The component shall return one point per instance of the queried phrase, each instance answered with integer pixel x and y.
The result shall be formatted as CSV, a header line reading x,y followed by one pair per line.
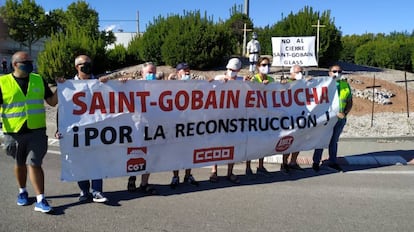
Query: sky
x,y
350,16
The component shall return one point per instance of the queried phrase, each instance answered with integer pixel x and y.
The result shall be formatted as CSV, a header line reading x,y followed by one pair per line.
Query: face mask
x,y
337,75
86,68
185,77
26,67
264,69
298,76
150,76
231,73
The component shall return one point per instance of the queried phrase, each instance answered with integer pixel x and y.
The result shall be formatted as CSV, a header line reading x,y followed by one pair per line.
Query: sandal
x,y
233,179
131,184
213,177
148,189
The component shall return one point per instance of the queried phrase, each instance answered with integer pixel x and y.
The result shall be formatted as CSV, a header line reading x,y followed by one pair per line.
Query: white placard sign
x,y
288,51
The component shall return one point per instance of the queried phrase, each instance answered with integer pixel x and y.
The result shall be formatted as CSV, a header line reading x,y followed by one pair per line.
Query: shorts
x,y
28,148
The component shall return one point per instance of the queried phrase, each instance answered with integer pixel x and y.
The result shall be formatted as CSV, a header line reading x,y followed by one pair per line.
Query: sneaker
x,y
315,167
174,182
23,199
84,196
336,167
190,179
284,168
296,167
99,197
43,206
262,171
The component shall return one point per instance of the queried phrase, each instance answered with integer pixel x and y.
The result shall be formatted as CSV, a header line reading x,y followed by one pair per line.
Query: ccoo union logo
x,y
138,163
211,154
284,143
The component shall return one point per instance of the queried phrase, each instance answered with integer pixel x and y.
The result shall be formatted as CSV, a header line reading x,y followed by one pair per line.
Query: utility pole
x,y
246,12
246,7
138,23
317,39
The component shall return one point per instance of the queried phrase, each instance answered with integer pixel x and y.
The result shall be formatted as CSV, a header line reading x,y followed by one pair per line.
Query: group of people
x,y
22,93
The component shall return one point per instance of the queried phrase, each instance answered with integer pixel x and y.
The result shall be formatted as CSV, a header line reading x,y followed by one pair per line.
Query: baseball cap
x,y
234,64
182,66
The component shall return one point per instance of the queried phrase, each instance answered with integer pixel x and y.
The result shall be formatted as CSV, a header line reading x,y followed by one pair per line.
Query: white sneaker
x,y
99,198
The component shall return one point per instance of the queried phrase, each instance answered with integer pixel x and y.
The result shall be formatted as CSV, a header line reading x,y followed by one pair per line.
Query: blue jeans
x,y
333,143
85,185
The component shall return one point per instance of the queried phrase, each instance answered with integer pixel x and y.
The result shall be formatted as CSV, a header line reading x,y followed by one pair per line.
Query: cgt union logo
x,y
284,143
136,164
211,154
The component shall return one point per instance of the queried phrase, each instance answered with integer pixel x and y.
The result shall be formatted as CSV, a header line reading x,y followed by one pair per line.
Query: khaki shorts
x,y
28,148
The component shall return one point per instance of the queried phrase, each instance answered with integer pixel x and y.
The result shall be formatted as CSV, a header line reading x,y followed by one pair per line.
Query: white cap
x,y
234,64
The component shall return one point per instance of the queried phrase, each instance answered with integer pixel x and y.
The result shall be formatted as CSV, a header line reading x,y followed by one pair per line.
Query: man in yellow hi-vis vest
x,y
345,106
22,95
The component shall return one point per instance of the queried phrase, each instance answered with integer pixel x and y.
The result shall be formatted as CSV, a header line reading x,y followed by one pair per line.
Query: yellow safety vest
x,y
256,78
18,108
344,91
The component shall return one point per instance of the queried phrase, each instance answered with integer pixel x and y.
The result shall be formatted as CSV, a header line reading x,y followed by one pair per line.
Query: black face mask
x,y
86,68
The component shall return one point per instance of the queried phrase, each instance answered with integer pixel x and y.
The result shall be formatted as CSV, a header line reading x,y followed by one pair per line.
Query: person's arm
x,y
52,98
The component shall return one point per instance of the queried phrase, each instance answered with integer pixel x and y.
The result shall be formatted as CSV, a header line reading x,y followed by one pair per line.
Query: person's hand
x,y
266,82
341,115
58,135
103,79
247,78
124,79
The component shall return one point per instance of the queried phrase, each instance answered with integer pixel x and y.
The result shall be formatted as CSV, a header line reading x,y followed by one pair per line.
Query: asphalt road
x,y
364,198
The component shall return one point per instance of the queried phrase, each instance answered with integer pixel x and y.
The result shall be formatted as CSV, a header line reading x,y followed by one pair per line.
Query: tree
x,y
26,21
57,59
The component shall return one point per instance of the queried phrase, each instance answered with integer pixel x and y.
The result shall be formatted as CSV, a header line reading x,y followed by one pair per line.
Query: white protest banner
x,y
120,129
289,51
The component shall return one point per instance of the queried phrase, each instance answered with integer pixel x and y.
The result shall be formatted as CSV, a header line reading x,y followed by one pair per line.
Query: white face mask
x,y
185,77
298,76
231,73
264,69
337,75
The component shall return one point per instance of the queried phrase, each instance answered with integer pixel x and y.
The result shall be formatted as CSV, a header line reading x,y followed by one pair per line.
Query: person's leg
x,y
333,144
317,156
175,179
213,175
36,175
187,172
97,188
175,173
20,171
248,165
261,161
84,186
294,158
144,179
97,185
230,169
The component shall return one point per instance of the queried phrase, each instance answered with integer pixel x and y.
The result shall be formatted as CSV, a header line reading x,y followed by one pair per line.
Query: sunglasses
x,y
336,71
264,65
25,62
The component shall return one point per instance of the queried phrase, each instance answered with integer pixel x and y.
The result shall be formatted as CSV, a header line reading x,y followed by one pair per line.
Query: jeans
x,y
85,185
333,143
